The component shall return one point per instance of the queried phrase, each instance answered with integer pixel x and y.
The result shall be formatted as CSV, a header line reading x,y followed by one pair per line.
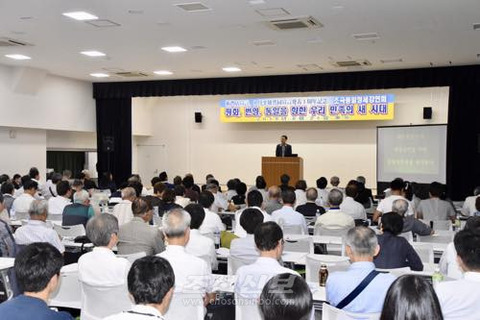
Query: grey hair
x,y
476,191
128,192
335,197
100,229
274,192
361,179
38,207
334,181
176,222
312,194
211,186
362,240
400,206
80,196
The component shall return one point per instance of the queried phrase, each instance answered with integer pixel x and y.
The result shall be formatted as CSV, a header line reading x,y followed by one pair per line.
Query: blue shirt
x,y
28,308
370,300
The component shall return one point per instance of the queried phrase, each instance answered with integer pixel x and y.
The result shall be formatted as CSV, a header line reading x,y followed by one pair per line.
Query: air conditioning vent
x,y
7,42
131,74
352,63
296,23
366,36
193,7
309,67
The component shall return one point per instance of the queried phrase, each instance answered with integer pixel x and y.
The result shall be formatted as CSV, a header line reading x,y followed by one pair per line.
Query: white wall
x,y
227,150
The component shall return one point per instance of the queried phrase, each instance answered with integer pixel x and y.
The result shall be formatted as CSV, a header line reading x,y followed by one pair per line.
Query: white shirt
x,y
460,299
22,203
192,274
138,312
252,278
45,191
469,205
202,246
102,268
220,202
289,217
230,194
38,231
182,201
301,197
211,223
386,204
335,219
57,204
322,198
353,208
244,249
239,231
123,211
448,263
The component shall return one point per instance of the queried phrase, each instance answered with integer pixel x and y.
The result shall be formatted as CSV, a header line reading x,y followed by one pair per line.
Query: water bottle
x,y
437,277
322,275
216,237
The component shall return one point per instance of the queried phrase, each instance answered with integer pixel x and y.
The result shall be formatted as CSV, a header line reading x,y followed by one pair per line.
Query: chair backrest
x,y
292,229
133,256
247,311
334,263
332,313
407,235
440,236
55,217
70,231
424,251
322,231
397,272
442,225
21,215
68,293
299,245
100,302
233,264
185,306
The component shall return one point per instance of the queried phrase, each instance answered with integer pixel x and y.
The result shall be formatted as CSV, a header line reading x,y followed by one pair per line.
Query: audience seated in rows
x,y
22,202
395,251
241,190
36,229
212,222
310,208
287,216
8,247
190,191
435,208
156,198
137,235
37,268
334,218
57,203
21,190
300,192
7,190
231,189
199,245
396,189
469,207
335,182
80,211
286,296
364,195
88,183
252,278
49,188
274,199
322,198
150,283
260,185
123,210
361,247
350,206
410,223
180,198
244,248
168,197
254,200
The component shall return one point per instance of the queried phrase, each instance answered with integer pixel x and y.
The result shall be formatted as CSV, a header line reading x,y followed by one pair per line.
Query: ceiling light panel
x,y
476,26
231,69
193,7
163,72
174,49
99,75
17,56
80,15
93,53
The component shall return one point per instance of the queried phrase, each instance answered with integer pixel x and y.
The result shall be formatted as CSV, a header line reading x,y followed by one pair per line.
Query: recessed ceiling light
x,y
80,15
231,69
93,53
99,75
163,72
17,56
174,49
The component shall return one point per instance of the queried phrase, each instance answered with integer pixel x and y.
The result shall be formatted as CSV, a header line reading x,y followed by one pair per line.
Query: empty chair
x,y
332,313
233,264
68,293
70,231
407,235
299,245
133,256
314,261
180,310
100,302
247,311
424,251
292,229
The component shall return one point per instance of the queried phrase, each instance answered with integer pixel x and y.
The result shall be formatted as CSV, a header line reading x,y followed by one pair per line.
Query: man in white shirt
x,y
334,218
49,188
36,230
192,274
244,249
150,282
468,208
460,299
58,203
396,192
322,198
199,245
22,203
180,198
35,176
287,216
254,200
212,222
123,210
349,205
251,279
220,200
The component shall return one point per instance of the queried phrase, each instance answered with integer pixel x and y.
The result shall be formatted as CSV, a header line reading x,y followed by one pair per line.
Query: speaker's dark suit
x,y
288,150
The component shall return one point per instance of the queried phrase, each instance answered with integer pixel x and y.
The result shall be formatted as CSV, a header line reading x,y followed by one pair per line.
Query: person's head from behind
x,y
335,197
335,181
163,176
274,193
286,296
77,185
396,186
179,190
129,193
137,186
288,197
255,199
154,181
473,223
102,230
81,197
7,188
411,297
260,182
467,244
38,210
176,226
197,215
400,206
301,185
283,139
352,189
64,189
322,183
188,182
212,187
311,194
361,179
241,188
177,180
151,281
159,188
436,190
250,219
143,209
30,187
361,244
66,174
34,173
37,267
392,223
269,239
206,199
231,184
168,196
284,179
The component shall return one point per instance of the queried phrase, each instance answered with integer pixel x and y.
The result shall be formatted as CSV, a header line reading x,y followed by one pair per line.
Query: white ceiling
x,y
420,32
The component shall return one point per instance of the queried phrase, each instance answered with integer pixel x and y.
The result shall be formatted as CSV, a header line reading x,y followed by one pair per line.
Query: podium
x,y
274,167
